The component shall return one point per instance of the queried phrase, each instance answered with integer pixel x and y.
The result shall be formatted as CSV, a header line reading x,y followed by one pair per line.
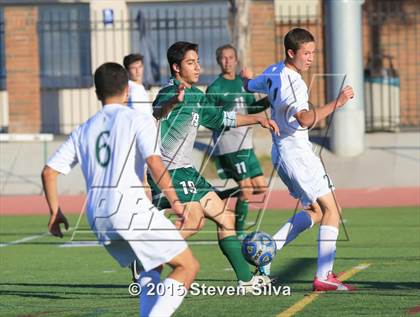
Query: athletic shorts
x,y
303,174
238,165
189,185
152,239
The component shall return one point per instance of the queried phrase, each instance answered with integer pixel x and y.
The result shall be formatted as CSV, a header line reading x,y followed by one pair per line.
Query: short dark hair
x,y
131,58
177,51
295,38
110,80
220,49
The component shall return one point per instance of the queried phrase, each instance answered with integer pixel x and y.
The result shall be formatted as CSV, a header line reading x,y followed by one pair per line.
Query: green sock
x,y
231,248
241,211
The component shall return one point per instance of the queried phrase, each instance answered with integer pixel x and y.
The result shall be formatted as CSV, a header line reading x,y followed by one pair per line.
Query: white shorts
x,y
152,239
303,174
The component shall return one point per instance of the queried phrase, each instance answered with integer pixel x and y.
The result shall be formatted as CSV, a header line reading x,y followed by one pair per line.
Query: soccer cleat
x,y
136,269
336,275
331,284
257,281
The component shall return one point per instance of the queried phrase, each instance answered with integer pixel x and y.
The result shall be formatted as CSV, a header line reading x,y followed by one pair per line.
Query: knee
x,y
191,266
260,190
246,195
315,213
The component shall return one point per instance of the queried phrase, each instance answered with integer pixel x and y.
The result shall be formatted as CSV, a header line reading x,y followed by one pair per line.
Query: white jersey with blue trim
x,y
288,94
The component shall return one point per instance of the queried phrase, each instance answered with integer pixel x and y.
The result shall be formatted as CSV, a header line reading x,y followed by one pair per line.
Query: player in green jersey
x,y
235,157
181,108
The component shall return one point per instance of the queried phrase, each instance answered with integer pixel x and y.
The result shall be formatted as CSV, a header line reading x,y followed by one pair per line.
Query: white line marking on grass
x,y
79,244
26,239
202,242
300,305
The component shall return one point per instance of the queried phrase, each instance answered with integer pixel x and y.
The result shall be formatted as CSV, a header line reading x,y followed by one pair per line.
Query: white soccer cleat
x,y
257,281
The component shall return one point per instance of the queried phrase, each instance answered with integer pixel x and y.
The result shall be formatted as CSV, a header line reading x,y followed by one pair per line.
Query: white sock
x,y
327,239
281,235
290,231
148,282
170,300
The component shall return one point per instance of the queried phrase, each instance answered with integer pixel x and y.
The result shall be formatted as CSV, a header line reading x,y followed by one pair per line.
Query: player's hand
x,y
54,223
246,73
346,94
178,209
269,124
180,93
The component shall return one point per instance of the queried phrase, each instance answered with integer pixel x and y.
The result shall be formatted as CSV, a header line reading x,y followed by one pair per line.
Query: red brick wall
x,y
262,37
22,66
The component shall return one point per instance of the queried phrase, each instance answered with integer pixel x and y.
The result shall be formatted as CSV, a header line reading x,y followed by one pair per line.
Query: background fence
x,y
73,41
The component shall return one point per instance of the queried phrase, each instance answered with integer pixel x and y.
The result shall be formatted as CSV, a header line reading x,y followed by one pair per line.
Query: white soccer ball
x,y
259,248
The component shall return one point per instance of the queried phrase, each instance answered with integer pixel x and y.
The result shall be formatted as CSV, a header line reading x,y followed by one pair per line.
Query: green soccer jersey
x,y
178,130
230,95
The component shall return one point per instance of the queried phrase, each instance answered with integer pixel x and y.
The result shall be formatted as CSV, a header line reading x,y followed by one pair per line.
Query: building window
x,y
64,41
155,26
2,53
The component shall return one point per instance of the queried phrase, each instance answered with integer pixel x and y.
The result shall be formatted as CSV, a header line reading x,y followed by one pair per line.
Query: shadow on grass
x,y
295,268
104,286
64,293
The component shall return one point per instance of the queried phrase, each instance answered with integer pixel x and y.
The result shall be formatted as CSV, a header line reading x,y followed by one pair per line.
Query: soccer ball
x,y
259,248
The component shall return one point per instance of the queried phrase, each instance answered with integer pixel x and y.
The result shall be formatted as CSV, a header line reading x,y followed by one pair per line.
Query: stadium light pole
x,y
344,57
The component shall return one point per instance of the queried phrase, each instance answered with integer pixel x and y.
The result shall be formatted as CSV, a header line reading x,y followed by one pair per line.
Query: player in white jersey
x,y
111,148
138,98
292,155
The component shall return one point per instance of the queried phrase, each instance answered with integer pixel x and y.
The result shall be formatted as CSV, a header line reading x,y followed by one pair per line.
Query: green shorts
x,y
238,165
189,186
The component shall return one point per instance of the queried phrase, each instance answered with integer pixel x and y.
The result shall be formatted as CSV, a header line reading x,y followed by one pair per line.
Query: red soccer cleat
x,y
331,284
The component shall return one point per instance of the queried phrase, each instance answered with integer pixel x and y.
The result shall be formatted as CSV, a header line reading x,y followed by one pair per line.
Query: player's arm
x,y
213,117
63,160
257,84
259,106
163,180
246,76
49,184
243,120
163,108
308,118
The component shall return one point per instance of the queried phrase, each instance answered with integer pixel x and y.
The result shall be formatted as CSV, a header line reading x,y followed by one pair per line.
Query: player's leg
x,y
184,270
299,179
161,243
256,174
148,282
216,210
242,205
296,224
325,279
193,220
259,185
328,233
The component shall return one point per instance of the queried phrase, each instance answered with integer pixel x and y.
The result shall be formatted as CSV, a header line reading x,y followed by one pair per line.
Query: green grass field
x,y
40,278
